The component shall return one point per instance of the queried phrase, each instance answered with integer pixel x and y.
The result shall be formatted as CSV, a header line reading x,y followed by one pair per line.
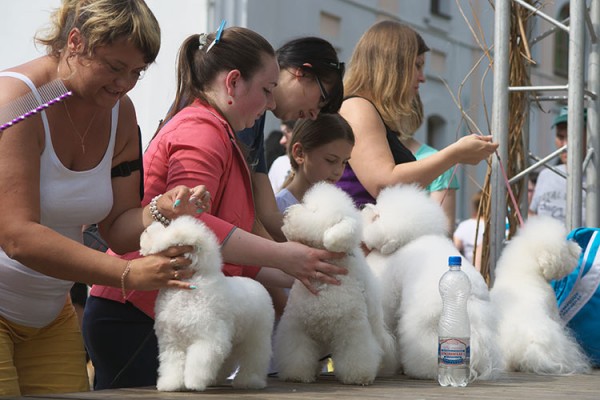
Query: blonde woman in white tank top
x,y
55,176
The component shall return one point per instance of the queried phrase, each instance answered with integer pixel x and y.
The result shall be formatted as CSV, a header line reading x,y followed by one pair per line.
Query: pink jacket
x,y
196,147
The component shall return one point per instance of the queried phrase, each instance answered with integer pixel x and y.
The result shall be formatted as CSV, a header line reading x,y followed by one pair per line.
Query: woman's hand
x,y
310,266
182,200
473,148
168,268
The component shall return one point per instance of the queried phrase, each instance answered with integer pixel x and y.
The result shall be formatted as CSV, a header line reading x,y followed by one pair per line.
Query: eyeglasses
x,y
324,94
121,71
339,66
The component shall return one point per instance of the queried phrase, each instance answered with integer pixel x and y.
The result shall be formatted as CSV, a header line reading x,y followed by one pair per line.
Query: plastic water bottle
x,y
454,330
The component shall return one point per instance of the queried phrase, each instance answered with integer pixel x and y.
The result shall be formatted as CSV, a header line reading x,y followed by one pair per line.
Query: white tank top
x,y
68,200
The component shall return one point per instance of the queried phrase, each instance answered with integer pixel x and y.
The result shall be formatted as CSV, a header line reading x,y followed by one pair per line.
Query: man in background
x,y
550,193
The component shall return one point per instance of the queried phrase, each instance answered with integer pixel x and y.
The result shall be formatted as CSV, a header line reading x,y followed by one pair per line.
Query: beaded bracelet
x,y
123,276
156,215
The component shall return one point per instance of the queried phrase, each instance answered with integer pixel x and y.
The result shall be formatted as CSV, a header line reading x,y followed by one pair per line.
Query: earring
x,y
230,101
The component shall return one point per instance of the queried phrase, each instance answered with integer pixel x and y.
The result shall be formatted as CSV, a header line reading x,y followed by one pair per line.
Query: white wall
x,y
20,21
154,93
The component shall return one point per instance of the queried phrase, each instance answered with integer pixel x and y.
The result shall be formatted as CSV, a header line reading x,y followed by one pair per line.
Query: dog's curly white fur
x,y
406,232
204,334
532,335
344,320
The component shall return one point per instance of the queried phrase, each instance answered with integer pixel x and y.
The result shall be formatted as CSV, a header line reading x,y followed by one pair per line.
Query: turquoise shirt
x,y
442,182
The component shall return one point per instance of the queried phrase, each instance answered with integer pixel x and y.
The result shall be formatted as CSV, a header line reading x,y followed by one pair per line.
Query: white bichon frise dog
x,y
406,231
346,320
532,335
204,334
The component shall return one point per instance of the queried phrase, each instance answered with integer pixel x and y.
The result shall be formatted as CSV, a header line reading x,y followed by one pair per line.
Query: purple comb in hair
x,y
25,106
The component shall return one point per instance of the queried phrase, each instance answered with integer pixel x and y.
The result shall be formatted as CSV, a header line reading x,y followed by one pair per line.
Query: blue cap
x,y
454,260
563,116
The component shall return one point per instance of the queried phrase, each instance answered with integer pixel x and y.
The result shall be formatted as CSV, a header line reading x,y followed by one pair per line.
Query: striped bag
x,y
578,294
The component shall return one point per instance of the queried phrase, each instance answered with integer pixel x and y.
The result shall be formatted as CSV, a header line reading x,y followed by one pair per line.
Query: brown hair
x,y
322,57
239,48
102,22
312,134
382,67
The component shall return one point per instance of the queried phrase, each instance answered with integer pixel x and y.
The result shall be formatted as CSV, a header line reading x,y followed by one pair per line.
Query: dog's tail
x,y
389,362
486,356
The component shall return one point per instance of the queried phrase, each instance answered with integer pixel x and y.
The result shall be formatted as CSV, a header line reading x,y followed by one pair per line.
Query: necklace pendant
x,y
83,148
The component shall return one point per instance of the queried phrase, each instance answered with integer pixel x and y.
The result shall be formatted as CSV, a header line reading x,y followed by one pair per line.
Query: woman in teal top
x,y
443,188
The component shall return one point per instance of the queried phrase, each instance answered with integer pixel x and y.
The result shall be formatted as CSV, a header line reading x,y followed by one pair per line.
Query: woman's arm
x,y
302,262
124,224
266,206
372,160
127,220
26,240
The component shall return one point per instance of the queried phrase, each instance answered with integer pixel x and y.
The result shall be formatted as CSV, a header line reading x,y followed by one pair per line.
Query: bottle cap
x,y
454,260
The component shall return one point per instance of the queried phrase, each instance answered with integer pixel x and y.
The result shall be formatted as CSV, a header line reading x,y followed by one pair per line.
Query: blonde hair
x,y
408,125
382,68
102,22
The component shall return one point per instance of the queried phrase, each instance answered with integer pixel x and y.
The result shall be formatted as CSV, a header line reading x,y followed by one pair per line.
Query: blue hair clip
x,y
217,35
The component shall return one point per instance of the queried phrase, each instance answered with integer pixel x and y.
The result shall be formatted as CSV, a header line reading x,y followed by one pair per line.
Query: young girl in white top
x,y
319,151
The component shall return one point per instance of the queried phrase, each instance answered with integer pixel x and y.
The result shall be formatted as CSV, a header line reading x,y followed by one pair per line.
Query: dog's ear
x,y
557,263
291,215
574,251
389,247
369,214
373,234
144,243
343,236
148,237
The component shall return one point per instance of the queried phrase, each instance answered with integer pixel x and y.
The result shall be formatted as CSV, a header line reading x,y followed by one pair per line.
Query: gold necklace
x,y
81,137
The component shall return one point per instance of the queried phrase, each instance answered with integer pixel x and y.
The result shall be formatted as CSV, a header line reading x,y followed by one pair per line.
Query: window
x,y
441,8
436,132
561,46
330,25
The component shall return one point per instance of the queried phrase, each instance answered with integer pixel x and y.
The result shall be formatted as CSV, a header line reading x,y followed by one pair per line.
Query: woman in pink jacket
x,y
225,82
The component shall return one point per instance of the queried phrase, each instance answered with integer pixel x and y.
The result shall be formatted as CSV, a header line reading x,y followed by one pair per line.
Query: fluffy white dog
x,y
344,320
406,231
532,334
204,334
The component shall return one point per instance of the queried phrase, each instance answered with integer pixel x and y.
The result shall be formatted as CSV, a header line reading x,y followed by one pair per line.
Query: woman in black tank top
x,y
380,93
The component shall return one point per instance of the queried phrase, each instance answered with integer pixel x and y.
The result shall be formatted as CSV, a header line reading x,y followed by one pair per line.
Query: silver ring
x,y
176,275
173,261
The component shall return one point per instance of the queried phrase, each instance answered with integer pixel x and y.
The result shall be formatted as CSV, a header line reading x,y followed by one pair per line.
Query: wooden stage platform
x,y
508,386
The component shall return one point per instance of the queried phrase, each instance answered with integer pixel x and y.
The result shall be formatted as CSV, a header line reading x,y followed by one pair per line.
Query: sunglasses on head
x,y
340,67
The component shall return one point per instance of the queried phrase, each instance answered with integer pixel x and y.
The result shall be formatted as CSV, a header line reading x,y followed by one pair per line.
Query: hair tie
x,y
202,40
217,35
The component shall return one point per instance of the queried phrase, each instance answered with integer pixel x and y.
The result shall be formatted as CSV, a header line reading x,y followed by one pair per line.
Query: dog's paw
x,y
197,387
357,380
253,381
170,384
301,378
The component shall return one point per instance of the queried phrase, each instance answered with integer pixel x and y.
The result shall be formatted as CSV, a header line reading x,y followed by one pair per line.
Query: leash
x,y
506,183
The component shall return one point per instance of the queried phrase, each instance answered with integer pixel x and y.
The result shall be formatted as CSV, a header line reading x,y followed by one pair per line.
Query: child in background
x,y
319,151
467,230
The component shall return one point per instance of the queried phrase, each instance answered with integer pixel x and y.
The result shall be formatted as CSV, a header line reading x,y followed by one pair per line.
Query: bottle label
x,y
454,352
